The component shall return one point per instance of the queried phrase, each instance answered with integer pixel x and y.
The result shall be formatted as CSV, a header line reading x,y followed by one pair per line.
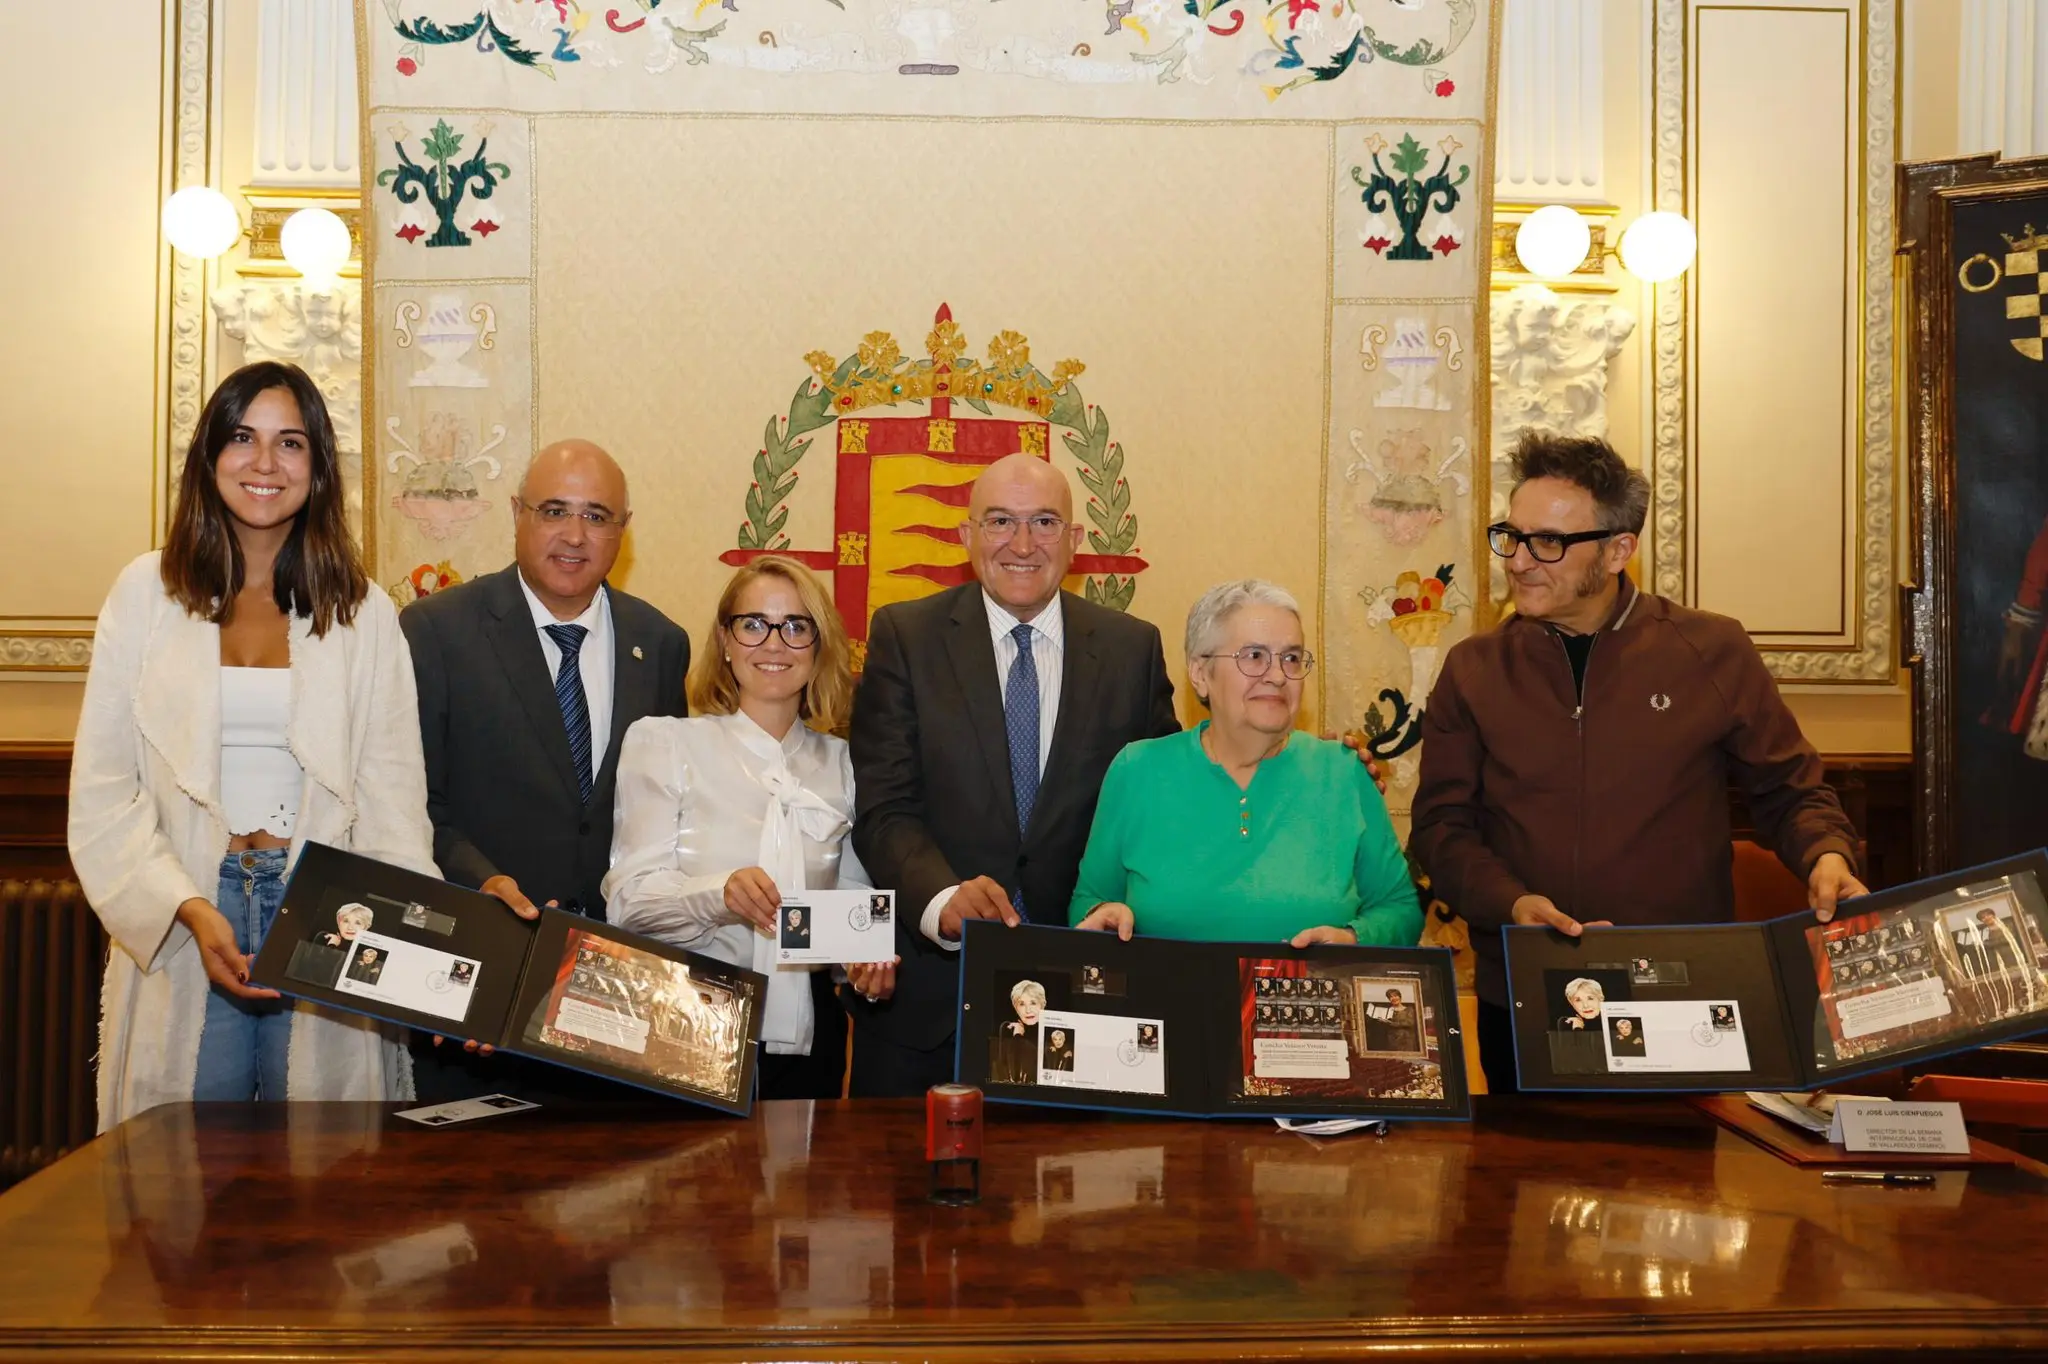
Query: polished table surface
x,y
1548,1229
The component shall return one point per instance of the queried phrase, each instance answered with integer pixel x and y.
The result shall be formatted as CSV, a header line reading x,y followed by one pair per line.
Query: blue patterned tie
x,y
1020,719
569,696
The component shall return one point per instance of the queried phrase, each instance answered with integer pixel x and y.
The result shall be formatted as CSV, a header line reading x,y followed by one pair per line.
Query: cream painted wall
x,y
94,292
1930,123
1741,479
78,413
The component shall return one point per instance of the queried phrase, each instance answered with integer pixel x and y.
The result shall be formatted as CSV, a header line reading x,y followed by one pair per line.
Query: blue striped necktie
x,y
569,696
1020,718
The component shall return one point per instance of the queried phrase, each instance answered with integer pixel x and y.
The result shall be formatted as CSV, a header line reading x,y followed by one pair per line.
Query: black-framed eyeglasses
x,y
1001,526
558,514
1545,547
751,629
1256,660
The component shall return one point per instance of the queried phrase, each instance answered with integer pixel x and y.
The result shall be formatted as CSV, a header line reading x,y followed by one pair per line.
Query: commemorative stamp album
x,y
1057,1016
378,940
1904,975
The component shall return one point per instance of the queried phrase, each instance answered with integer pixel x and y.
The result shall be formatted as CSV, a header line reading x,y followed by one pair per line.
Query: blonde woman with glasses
x,y
721,814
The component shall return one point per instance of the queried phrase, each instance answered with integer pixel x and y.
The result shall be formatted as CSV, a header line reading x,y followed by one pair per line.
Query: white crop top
x,y
260,780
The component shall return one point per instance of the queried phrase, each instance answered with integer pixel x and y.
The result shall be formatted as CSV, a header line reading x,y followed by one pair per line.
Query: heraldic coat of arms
x,y
903,477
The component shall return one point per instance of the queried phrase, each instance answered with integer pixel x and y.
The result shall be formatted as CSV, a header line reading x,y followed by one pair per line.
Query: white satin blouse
x,y
698,799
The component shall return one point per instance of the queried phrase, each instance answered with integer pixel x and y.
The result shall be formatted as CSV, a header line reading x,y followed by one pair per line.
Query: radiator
x,y
52,955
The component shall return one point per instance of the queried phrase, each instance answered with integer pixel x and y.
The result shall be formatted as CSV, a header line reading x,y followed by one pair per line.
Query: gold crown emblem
x,y
2030,240
878,374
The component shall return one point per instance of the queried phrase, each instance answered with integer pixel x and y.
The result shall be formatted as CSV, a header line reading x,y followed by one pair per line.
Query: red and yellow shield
x,y
902,481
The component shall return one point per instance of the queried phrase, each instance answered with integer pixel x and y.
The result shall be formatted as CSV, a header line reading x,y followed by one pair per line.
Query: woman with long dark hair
x,y
249,691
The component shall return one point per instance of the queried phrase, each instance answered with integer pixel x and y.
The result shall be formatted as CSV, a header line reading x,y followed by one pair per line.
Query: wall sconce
x,y
201,222
1556,242
1553,241
1658,247
315,243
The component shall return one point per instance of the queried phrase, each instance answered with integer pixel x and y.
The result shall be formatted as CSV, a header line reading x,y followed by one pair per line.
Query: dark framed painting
x,y
1974,237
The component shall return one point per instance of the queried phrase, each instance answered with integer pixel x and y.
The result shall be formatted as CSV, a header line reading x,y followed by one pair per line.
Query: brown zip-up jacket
x,y
1614,804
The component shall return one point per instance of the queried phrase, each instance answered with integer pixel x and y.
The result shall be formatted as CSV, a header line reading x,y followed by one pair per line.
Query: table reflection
x,y
406,1261
1087,1183
309,1218
1369,1199
344,1236
1576,1240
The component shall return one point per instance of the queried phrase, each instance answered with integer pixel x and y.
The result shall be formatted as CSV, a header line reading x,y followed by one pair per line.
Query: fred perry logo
x,y
1659,701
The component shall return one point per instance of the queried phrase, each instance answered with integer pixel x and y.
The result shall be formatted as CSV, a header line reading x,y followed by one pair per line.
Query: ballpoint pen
x,y
1895,1177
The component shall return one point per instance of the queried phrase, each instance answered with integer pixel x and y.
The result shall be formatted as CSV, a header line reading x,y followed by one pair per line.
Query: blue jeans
x,y
243,1044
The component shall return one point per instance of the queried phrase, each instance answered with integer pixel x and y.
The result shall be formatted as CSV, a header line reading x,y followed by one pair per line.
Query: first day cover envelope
x,y
836,927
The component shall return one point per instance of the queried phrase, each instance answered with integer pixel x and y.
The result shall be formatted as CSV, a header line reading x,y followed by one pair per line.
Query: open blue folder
x,y
1204,1029
1903,976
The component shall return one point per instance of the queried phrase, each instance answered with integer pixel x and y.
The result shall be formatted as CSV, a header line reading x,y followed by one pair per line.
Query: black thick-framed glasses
x,y
1545,546
751,629
1256,660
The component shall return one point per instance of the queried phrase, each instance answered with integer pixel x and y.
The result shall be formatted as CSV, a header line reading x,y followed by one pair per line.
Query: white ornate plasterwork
x,y
1549,360
320,331
192,139
54,651
1667,337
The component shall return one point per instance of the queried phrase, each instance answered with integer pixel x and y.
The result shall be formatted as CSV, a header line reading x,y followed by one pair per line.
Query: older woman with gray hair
x,y
1243,827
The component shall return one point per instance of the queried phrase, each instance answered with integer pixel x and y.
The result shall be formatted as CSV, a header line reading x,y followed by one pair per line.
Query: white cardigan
x,y
147,831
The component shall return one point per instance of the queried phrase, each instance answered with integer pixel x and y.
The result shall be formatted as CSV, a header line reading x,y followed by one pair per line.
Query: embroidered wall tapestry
x,y
805,265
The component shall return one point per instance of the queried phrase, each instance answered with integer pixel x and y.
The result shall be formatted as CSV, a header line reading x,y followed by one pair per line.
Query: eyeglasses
x,y
752,630
1001,526
1256,660
558,514
1545,547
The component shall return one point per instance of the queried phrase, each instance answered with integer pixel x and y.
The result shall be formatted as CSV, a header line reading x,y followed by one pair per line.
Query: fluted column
x,y
1550,140
306,130
2004,63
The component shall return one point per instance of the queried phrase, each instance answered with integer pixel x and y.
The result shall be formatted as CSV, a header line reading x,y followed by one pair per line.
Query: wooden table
x,y
1551,1229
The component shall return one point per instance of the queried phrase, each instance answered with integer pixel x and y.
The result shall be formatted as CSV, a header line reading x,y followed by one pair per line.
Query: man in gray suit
x,y
528,679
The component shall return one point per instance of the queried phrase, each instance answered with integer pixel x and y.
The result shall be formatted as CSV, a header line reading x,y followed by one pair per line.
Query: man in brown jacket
x,y
1576,760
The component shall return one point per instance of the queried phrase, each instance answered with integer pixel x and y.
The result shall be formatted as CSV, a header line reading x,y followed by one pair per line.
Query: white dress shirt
x,y
1049,654
701,798
593,660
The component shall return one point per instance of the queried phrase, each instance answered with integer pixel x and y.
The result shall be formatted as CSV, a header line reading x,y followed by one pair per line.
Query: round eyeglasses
x,y
1256,660
750,629
1545,547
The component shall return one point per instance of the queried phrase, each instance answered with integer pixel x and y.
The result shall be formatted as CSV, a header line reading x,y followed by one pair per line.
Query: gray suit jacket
x,y
501,786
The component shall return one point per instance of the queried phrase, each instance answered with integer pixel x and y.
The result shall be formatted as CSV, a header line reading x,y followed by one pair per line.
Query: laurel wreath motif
x,y
1113,527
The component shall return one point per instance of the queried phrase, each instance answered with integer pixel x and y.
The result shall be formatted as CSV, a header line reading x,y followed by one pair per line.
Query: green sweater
x,y
1308,843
